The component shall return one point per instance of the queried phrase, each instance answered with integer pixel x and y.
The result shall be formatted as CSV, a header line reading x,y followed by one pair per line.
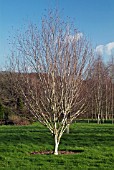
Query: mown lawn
x,y
96,143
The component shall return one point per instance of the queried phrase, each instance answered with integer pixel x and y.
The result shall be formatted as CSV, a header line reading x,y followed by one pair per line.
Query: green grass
x,y
95,141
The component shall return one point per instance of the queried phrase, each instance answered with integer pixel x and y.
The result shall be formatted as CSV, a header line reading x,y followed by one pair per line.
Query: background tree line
x,y
99,88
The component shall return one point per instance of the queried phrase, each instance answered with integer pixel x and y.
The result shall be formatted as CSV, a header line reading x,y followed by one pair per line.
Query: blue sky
x,y
94,18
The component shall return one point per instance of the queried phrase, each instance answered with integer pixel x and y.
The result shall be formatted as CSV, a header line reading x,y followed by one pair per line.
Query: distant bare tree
x,y
111,73
50,66
101,86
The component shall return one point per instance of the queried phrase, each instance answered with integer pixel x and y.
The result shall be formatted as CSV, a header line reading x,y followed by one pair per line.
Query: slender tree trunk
x,y
67,130
112,102
98,119
106,116
56,145
92,110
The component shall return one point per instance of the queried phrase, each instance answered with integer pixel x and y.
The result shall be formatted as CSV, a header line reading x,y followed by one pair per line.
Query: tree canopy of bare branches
x,y
51,64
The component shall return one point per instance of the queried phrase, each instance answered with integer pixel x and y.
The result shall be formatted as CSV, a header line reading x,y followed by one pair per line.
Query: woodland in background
x,y
100,100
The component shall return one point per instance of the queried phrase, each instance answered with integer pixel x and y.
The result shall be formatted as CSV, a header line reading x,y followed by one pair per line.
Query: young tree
x,y
100,84
111,73
99,88
50,65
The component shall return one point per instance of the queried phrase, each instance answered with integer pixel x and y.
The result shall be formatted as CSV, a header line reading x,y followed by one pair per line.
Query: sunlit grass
x,y
95,141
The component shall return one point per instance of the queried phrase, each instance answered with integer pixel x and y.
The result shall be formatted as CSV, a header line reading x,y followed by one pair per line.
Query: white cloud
x,y
76,37
99,49
107,49
70,38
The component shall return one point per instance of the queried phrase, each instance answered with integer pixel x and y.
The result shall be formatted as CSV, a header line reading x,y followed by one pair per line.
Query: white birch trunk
x,y
112,103
98,119
56,145
106,116
67,130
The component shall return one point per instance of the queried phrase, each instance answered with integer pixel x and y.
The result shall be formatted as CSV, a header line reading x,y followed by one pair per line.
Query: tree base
x,y
59,152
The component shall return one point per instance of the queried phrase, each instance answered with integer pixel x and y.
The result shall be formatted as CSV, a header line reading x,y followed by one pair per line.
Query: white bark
x,y
98,119
56,145
67,130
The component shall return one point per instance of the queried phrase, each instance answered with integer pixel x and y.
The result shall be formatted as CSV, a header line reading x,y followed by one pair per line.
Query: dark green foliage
x,y
95,141
20,104
1,111
5,113
8,117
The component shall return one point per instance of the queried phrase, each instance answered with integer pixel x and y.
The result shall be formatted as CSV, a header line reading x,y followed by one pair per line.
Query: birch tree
x,y
50,65
111,74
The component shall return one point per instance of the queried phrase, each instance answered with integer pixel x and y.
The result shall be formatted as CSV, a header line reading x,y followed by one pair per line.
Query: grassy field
x,y
95,141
